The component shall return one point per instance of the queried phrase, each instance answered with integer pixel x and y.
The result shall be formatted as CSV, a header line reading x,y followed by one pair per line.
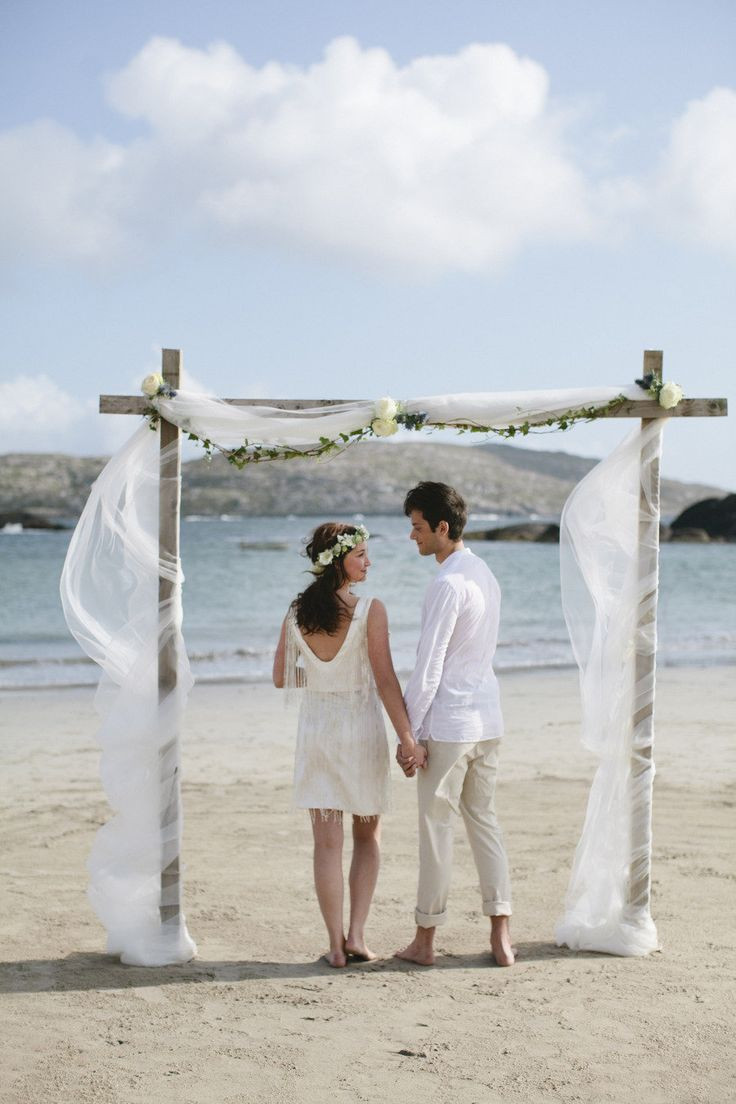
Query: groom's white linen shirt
x,y
453,693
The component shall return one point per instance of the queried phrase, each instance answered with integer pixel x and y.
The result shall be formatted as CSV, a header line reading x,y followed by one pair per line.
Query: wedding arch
x,y
121,593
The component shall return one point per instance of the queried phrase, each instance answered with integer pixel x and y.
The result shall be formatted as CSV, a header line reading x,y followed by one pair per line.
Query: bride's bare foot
x,y
336,959
501,949
357,948
421,948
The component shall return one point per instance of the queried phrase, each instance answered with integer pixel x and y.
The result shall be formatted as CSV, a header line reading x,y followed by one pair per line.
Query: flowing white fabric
x,y
608,561
110,596
109,591
229,426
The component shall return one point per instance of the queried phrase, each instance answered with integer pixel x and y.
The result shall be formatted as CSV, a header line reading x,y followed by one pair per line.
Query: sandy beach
x,y
258,1018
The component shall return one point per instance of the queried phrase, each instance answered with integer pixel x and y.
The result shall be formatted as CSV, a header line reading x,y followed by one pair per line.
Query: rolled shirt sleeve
x,y
439,617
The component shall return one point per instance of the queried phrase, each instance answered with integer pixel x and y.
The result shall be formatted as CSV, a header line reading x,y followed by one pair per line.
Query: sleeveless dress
x,y
342,759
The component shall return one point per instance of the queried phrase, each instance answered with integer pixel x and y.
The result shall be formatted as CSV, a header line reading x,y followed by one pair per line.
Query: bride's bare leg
x,y
328,880
363,877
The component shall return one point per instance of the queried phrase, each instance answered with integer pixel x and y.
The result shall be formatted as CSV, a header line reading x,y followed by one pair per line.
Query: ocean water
x,y
237,591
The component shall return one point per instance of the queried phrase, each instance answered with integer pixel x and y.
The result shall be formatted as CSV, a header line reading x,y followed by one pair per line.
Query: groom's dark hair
x,y
437,502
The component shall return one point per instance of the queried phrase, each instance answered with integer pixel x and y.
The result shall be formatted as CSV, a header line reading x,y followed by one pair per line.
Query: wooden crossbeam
x,y
687,408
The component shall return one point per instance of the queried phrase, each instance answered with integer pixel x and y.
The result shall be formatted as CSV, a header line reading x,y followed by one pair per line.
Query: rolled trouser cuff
x,y
497,908
430,919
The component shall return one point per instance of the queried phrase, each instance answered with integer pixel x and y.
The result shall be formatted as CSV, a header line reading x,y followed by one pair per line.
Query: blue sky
x,y
341,199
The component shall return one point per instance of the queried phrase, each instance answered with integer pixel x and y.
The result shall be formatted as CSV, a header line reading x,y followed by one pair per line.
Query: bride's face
x,y
356,563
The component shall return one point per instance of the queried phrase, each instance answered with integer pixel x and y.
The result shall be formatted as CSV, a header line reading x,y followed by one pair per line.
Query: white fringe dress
x,y
342,758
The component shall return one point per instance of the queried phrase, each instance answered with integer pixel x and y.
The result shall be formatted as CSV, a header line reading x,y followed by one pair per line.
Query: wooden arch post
x,y
642,749
169,507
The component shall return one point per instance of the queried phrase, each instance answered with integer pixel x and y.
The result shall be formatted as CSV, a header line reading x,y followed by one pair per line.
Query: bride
x,y
335,645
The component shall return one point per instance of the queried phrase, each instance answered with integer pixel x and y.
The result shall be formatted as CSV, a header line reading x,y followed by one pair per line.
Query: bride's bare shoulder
x,y
377,611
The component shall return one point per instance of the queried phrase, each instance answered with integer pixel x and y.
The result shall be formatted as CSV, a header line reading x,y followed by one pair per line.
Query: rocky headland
x,y
370,478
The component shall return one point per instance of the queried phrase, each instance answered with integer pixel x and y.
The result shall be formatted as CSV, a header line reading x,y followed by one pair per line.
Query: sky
x,y
352,200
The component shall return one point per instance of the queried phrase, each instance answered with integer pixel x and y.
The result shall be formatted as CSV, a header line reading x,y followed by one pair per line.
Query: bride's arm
x,y
387,684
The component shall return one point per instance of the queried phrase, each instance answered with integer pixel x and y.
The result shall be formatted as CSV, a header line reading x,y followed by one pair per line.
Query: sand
x,y
258,1018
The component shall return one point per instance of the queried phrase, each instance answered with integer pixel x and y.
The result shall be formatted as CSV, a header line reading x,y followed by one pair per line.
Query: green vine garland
x,y
251,452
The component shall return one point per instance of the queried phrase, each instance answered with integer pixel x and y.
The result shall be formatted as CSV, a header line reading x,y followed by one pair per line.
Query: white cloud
x,y
59,196
30,404
36,415
449,163
695,190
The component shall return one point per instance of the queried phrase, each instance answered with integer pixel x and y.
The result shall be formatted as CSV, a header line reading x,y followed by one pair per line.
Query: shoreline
x,y
518,671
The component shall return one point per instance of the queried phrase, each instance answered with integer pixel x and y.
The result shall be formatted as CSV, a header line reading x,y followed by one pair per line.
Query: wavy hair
x,y
319,608
437,502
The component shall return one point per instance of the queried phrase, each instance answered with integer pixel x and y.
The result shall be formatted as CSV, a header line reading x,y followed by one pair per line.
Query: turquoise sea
x,y
237,591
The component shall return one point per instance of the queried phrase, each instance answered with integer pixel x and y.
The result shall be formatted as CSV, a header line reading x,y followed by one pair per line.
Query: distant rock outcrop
x,y
714,517
28,521
540,532
47,484
694,536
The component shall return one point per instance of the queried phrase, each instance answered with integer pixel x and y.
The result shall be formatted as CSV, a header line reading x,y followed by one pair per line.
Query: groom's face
x,y
428,541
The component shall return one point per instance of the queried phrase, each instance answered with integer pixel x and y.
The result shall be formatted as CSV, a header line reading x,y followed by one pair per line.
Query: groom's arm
x,y
438,625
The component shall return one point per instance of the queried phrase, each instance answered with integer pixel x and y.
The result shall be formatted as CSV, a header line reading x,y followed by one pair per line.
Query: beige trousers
x,y
459,778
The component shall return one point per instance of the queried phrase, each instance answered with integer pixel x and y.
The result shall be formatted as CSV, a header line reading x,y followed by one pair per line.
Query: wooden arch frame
x,y
639,886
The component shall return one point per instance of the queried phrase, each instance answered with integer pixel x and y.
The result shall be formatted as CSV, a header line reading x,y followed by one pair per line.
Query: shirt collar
x,y
452,559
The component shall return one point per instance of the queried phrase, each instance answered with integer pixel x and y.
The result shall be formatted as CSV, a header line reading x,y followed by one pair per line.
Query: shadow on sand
x,y
79,972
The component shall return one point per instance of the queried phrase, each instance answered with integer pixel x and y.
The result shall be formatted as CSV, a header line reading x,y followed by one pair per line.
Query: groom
x,y
453,704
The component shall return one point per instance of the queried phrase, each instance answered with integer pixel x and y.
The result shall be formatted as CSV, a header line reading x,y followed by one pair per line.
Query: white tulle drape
x,y
110,596
609,565
109,592
228,425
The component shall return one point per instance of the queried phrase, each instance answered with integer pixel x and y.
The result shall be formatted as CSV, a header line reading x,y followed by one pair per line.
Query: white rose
x,y
382,427
325,558
670,395
152,384
386,409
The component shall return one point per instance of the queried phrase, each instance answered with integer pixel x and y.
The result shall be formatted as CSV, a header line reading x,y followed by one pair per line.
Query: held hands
x,y
411,759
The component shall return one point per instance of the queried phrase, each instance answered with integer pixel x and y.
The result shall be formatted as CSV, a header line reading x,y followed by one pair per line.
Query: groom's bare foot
x,y
421,948
501,949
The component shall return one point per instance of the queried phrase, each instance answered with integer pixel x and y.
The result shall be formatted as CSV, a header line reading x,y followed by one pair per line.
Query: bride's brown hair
x,y
319,608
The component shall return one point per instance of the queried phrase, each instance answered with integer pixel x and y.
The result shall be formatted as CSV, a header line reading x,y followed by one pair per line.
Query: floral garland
x,y
668,394
344,544
389,415
155,384
152,386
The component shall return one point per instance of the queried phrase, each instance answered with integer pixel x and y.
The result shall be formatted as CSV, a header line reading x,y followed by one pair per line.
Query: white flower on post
x,y
670,394
386,409
383,427
152,384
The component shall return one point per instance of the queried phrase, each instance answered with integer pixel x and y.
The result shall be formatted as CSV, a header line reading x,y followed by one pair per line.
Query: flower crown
x,y
344,544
